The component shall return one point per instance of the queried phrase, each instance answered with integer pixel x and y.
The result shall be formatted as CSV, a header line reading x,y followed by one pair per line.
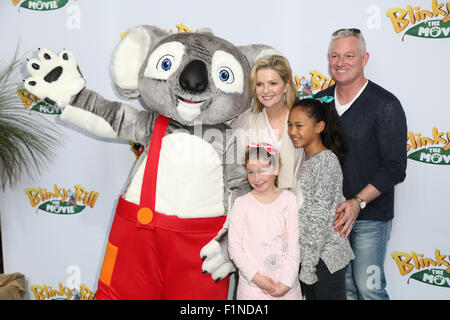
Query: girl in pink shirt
x,y
263,235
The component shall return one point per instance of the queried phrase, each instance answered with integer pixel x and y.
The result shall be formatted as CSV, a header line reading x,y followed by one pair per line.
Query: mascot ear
x,y
129,57
255,51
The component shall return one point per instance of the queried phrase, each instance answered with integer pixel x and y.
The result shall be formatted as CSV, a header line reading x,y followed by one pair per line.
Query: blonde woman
x,y
273,94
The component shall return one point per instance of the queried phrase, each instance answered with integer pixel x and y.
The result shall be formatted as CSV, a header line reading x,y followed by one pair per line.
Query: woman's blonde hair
x,y
281,65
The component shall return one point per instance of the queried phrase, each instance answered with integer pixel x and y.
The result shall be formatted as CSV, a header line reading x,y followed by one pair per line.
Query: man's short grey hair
x,y
344,33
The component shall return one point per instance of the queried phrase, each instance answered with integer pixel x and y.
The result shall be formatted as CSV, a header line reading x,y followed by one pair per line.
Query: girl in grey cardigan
x,y
324,255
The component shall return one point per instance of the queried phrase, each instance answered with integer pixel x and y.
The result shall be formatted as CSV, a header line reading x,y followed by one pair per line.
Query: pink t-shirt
x,y
264,238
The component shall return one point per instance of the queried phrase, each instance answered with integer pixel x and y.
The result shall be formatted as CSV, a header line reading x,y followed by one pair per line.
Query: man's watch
x,y
362,203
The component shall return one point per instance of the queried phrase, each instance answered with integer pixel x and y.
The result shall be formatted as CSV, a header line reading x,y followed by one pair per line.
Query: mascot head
x,y
188,77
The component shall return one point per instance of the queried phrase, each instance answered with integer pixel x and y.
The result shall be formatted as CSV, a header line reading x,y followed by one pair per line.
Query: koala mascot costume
x,y
172,212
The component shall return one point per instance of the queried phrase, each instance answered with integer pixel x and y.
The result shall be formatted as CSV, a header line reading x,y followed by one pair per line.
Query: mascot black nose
x,y
194,77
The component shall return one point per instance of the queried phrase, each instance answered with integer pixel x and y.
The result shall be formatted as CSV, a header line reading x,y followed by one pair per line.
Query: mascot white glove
x,y
216,258
54,79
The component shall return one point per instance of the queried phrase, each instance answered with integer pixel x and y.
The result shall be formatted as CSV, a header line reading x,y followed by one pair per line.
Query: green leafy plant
x,y
27,139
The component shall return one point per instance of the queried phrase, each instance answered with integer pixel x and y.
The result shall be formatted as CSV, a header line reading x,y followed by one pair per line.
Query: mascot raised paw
x,y
172,212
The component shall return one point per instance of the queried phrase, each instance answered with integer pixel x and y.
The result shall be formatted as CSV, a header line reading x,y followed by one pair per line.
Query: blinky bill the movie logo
x,y
62,293
407,262
430,150
316,82
41,5
430,29
32,102
70,201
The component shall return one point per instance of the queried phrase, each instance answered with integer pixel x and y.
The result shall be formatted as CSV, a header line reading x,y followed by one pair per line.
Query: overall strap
x,y
148,191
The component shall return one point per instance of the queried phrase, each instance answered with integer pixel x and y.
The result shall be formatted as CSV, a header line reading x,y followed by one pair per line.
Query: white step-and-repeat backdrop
x,y
60,248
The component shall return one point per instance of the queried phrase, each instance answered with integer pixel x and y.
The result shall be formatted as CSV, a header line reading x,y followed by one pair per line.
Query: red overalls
x,y
151,255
